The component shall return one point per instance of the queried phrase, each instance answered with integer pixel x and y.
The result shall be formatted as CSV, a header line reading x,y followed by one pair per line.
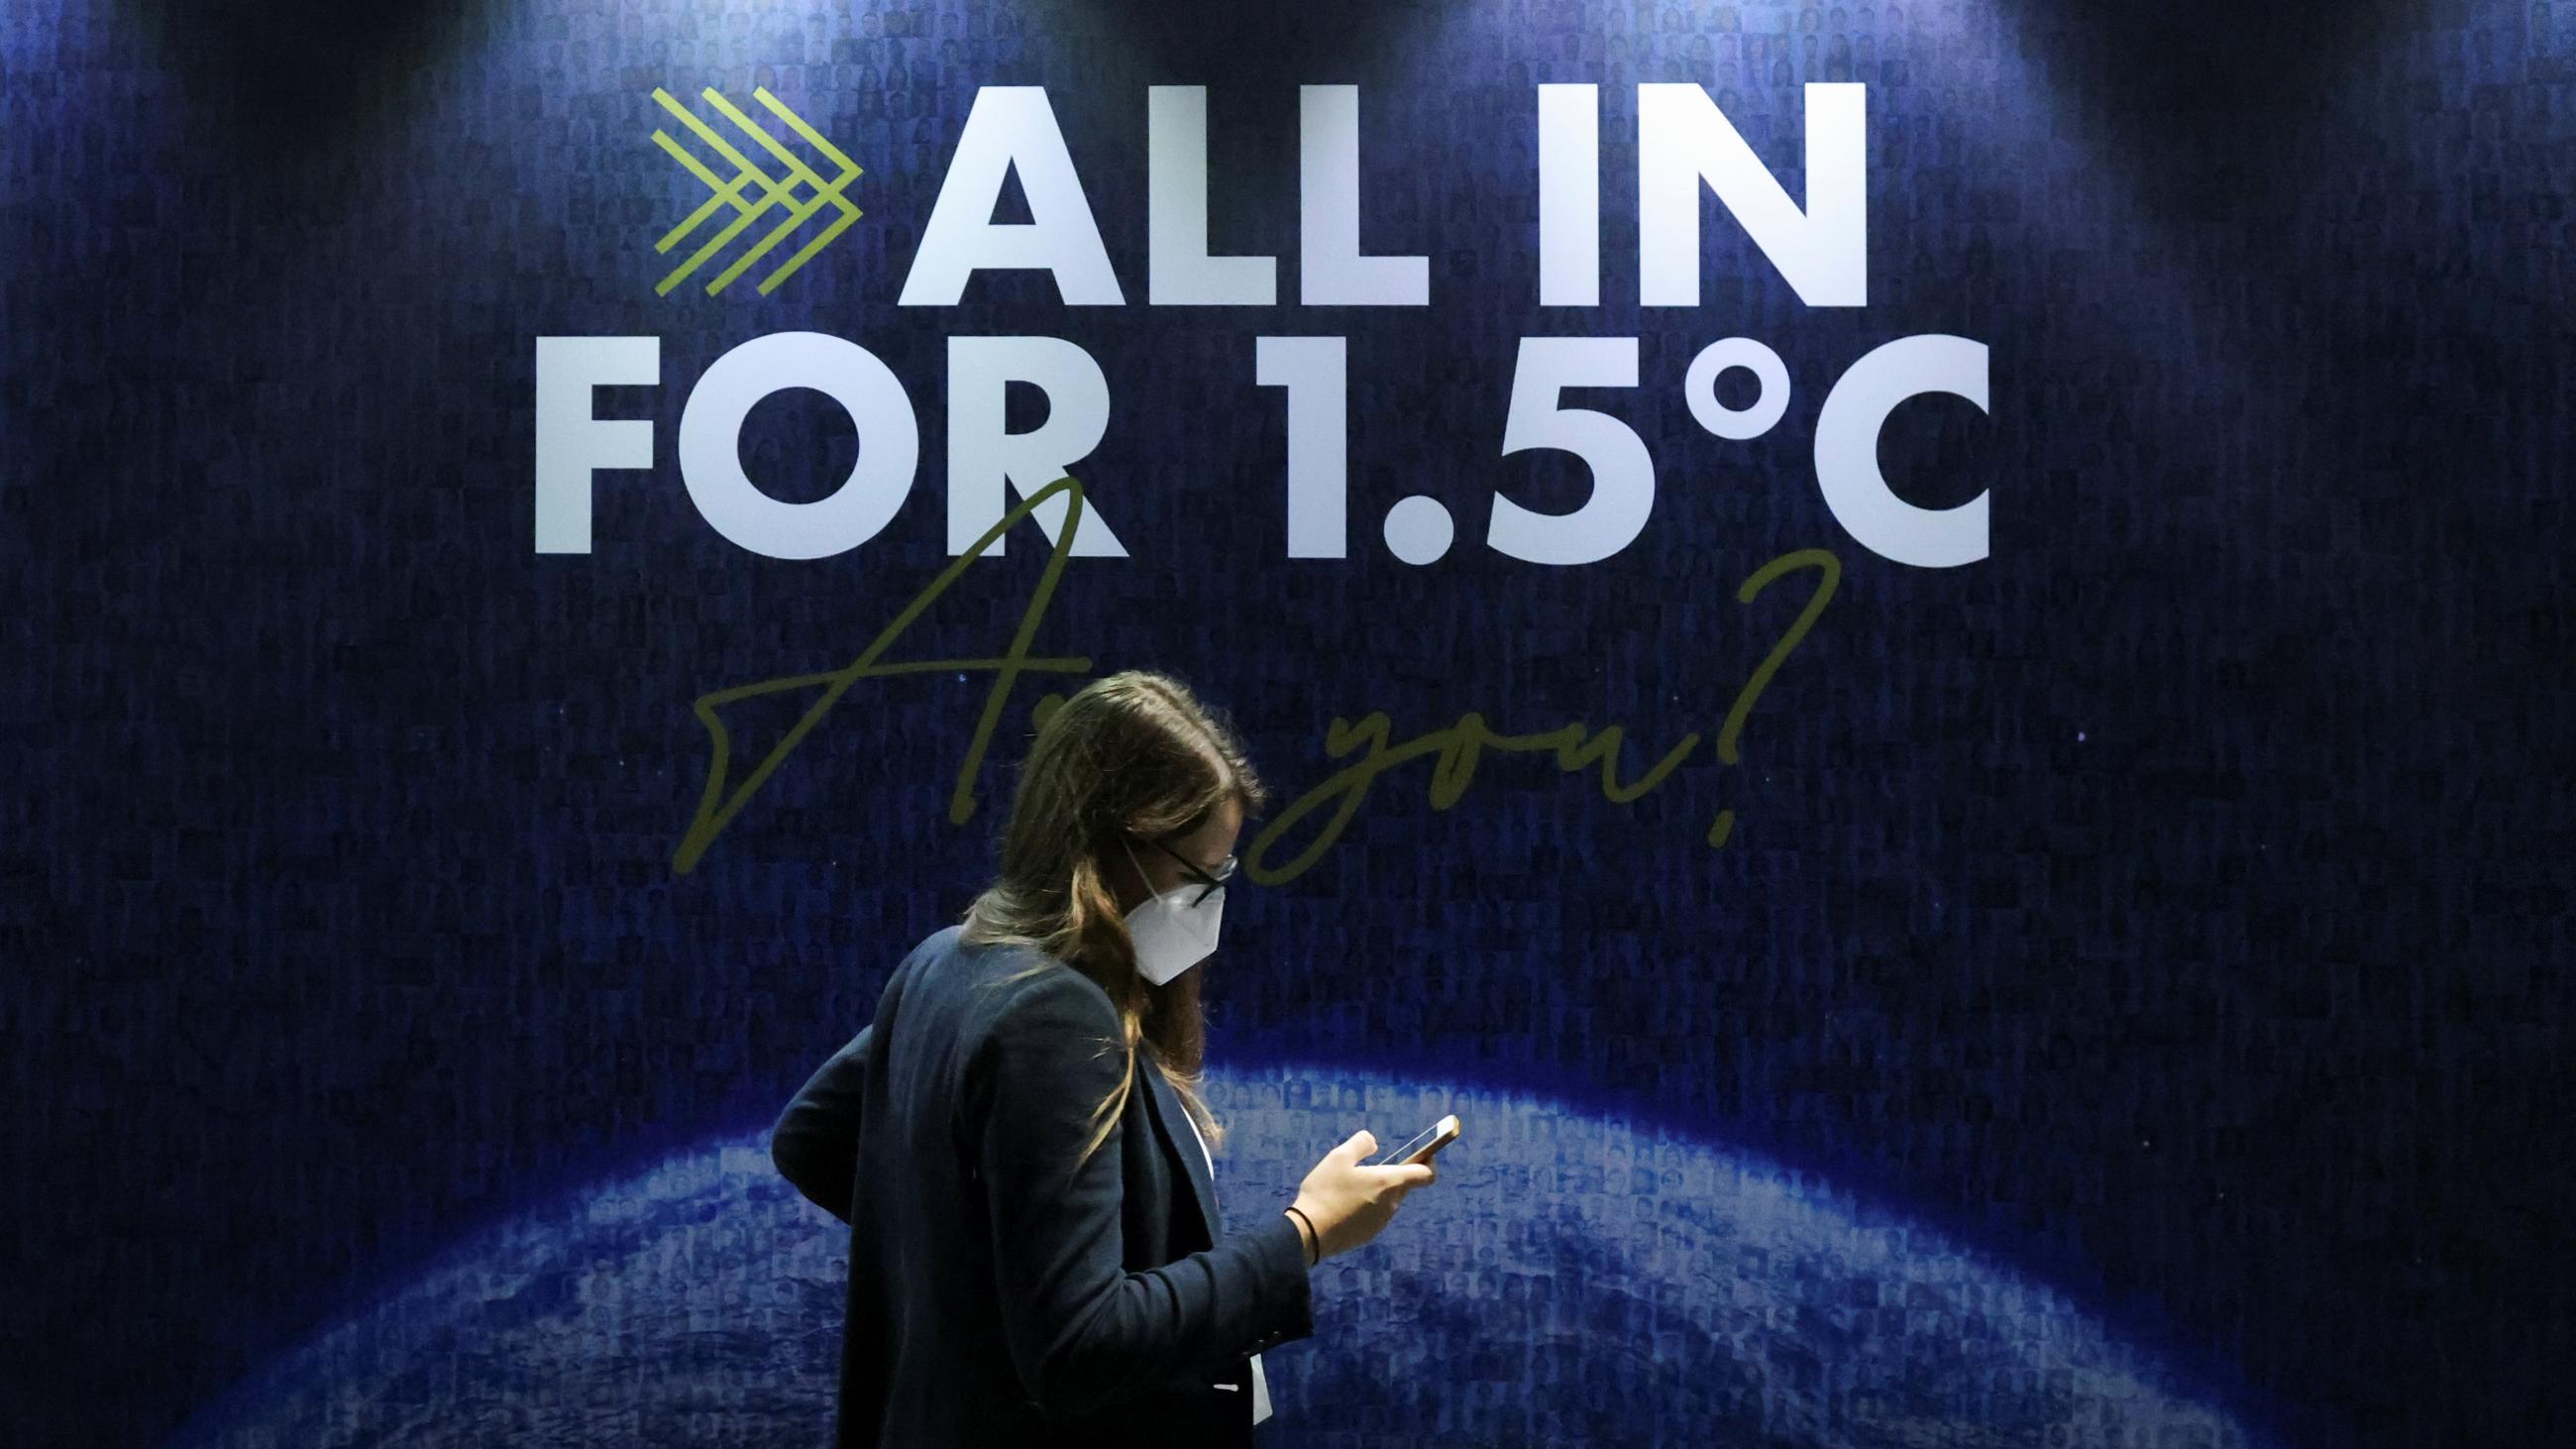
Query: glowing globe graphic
x,y
1569,1281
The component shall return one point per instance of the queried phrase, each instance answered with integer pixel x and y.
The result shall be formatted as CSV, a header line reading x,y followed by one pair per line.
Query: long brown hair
x,y
1132,755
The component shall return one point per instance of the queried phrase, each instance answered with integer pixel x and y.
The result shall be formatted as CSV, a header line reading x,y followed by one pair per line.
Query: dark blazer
x,y
1001,1295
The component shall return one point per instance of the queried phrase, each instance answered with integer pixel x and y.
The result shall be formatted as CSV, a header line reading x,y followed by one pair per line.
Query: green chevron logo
x,y
797,194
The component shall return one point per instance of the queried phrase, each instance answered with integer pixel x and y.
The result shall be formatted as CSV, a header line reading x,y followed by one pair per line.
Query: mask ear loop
x,y
1136,865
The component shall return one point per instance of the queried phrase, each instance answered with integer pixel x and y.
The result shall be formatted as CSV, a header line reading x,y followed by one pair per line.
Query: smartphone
x,y
1430,1140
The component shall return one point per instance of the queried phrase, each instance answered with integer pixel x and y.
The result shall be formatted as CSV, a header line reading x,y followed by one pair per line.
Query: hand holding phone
x,y
1346,1201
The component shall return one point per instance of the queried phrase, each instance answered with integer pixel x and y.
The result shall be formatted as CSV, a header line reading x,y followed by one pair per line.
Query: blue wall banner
x,y
1918,654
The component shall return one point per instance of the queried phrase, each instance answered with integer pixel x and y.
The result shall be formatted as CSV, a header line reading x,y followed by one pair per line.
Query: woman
x,y
1018,1140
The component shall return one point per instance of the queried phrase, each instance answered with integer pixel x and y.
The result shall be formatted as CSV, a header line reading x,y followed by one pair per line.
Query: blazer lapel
x,y
1170,1120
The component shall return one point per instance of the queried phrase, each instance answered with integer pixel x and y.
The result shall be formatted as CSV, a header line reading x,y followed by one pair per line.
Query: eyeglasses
x,y
1210,881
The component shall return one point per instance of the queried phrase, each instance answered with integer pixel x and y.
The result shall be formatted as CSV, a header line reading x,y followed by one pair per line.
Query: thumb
x,y
1360,1144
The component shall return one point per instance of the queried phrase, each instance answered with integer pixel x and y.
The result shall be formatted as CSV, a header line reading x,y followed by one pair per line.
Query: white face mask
x,y
1171,935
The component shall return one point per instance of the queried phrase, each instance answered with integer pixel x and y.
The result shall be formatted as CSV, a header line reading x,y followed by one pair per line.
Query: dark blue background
x,y
2174,904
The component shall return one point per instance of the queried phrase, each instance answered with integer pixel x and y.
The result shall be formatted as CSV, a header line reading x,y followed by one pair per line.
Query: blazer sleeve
x,y
1083,1332
816,1141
